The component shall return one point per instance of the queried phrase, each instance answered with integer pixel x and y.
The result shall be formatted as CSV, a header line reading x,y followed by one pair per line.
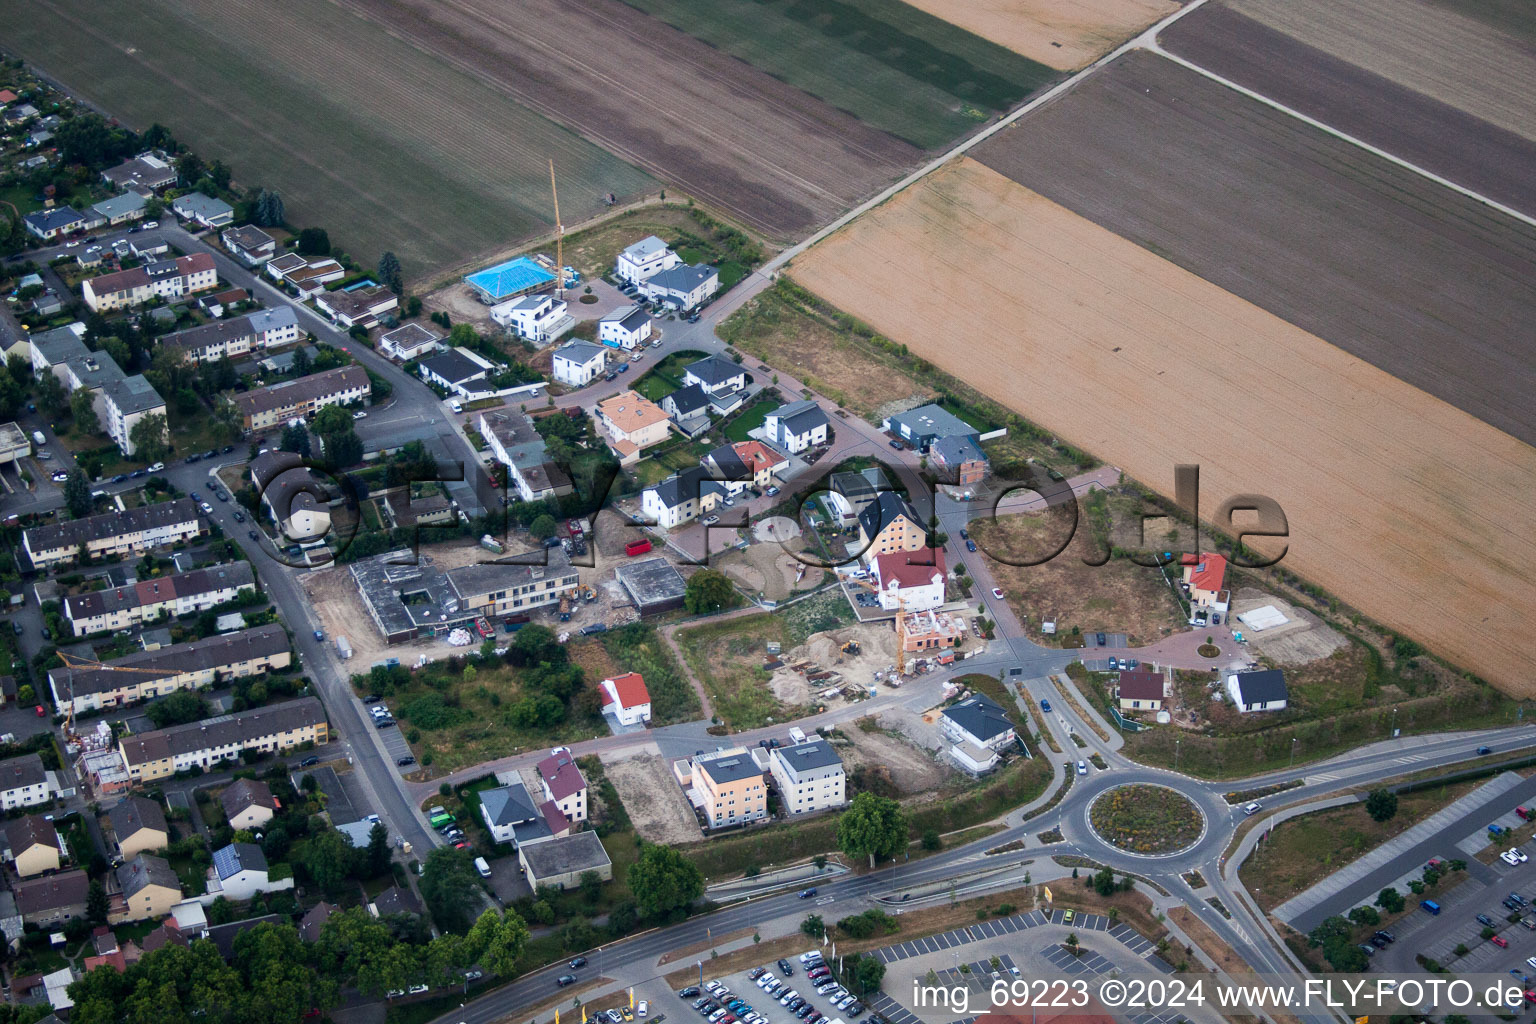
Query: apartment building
x,y
162,279
277,727
519,447
409,601
125,402
564,784
23,782
237,336
631,424
187,666
128,532
729,787
276,404
889,525
147,600
809,776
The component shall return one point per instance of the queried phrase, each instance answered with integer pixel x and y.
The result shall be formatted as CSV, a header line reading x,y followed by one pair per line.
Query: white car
x,y
1252,809
360,415
1519,854
1509,857
150,225
1082,767
711,520
60,476
417,990
806,958
207,508
713,986
157,467
997,592
642,1009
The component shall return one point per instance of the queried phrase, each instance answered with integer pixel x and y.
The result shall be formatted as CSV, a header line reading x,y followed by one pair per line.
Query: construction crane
x,y
559,236
72,661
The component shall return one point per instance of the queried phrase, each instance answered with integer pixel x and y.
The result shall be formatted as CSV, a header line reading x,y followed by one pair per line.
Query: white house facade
x,y
809,776
628,327
797,426
643,259
531,317
578,363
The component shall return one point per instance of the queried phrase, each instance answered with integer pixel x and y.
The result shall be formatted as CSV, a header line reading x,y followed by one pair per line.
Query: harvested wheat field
x,y
1398,503
1063,34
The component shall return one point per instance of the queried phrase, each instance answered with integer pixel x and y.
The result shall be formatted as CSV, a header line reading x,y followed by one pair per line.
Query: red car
x,y
40,711
1500,941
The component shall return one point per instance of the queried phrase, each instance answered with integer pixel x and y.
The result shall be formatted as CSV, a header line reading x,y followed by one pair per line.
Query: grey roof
x,y
683,487
19,772
631,318
138,169
681,278
396,900
148,244
135,814
237,857
729,768
714,370
863,484
21,834
979,715
931,421
957,448
134,395
195,204
313,923
646,247
453,366
145,870
438,597
729,463
580,352
225,730
51,892
271,319
58,345
128,202
508,805
808,756
1262,687
247,236
408,336
688,399
581,851
516,434
651,582
291,393
54,219
214,652
184,584
243,794
883,511
76,532
799,417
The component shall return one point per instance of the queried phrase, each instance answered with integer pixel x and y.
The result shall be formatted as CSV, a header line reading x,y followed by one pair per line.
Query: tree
x,y
709,590
25,694
96,903
496,941
389,272
663,881
149,439
931,840
377,860
83,409
77,493
1104,881
314,242
269,208
872,826
1391,900
295,439
868,973
543,527
451,887
51,395
1364,915
301,363
177,709
1381,804
813,926
1073,946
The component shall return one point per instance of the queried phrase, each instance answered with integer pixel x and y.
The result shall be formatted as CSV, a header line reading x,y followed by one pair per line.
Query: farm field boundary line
x,y
1313,122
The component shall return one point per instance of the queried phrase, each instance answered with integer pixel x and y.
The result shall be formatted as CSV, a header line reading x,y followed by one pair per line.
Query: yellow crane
x,y
72,661
559,236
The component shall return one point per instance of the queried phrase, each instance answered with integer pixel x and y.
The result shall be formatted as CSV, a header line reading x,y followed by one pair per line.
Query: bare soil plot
x,y
1305,638
911,769
653,799
1451,51
1432,287
767,569
1435,135
1402,505
386,146
777,158
1064,34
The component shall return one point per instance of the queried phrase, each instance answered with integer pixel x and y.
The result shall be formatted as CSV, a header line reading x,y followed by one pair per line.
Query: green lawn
x,y
889,64
750,419
386,146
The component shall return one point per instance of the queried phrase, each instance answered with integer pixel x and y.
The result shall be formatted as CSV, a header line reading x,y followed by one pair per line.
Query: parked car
x,y
997,592
970,545
403,761
1082,767
253,535
309,762
1500,941
1485,920
691,990
784,966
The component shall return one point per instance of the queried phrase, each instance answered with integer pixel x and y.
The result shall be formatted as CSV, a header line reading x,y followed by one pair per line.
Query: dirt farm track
x,y
1399,503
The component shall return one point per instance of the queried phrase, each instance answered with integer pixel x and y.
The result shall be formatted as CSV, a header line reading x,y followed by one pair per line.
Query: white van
x,y
482,867
456,405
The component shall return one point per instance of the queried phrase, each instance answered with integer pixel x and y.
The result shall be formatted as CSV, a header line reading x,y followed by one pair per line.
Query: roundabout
x,y
1147,820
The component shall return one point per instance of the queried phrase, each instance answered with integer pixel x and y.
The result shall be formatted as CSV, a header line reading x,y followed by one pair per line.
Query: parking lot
x,y
764,1006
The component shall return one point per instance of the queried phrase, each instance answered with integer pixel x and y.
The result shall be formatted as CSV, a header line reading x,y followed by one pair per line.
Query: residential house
x,y
513,816
531,317
809,776
688,407
119,209
958,460
911,581
34,845
518,446
684,287
23,782
1204,578
139,826
564,784
645,258
182,593
630,425
408,342
395,900
275,404
161,279
1264,690
126,402
420,504
87,259
217,304
682,498
146,247
626,699
268,730
168,934
203,211
308,277
797,426
240,871
54,223
248,804
312,924
728,788
1141,690
758,465
147,172
848,494
887,525
237,336
455,370
126,532
295,498
560,863
249,244
52,899
164,670
715,374
357,307
578,363
980,720
924,425
627,327
726,467
147,888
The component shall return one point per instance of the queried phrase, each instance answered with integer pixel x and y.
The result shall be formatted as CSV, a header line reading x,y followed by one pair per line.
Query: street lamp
x,y
1394,722
1293,751
1178,742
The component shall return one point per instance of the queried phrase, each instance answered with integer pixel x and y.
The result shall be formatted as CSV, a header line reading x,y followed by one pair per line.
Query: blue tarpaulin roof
x,y
513,277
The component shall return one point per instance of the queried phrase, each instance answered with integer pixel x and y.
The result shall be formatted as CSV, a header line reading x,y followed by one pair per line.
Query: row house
x,y
23,782
267,730
126,532
276,404
359,307
184,593
238,336
162,279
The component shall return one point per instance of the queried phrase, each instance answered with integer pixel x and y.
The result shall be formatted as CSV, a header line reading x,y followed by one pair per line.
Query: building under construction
x,y
927,631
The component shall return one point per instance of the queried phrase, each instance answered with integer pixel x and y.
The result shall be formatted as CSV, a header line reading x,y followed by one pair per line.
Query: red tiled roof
x,y
561,775
629,689
554,817
909,568
1141,685
1209,572
755,455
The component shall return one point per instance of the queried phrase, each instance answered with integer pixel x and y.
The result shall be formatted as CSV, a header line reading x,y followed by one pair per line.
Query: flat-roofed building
x,y
730,788
129,531
409,341
410,601
809,776
271,729
14,443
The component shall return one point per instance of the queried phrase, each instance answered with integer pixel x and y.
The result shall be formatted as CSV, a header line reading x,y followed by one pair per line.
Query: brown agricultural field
x,y
1482,64
1064,34
1399,503
775,157
1437,136
1426,284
